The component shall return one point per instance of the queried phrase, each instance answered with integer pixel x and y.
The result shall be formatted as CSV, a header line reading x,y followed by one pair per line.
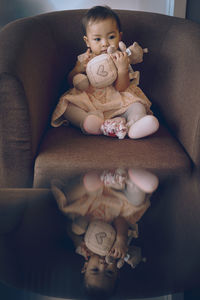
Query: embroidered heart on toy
x,y
101,71
100,236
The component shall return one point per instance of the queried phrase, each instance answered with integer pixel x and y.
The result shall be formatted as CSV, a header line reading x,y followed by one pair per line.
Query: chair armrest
x,y
170,71
177,85
29,82
15,134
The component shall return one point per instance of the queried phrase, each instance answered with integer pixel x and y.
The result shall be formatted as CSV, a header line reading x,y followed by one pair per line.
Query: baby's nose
x,y
105,42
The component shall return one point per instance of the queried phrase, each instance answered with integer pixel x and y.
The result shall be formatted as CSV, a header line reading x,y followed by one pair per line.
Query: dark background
x,y
193,10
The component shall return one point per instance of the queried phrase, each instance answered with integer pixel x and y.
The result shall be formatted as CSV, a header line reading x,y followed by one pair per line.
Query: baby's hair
x,y
98,13
93,292
98,293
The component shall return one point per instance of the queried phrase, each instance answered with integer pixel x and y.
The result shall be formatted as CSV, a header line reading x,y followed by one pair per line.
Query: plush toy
x,y
101,70
99,239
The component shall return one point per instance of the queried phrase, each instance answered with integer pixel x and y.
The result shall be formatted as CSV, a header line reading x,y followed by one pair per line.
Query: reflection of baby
x,y
102,209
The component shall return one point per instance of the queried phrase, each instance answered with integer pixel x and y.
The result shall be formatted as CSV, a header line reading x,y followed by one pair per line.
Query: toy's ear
x,y
86,40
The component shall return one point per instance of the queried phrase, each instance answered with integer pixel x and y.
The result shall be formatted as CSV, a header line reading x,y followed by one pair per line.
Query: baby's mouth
x,y
102,260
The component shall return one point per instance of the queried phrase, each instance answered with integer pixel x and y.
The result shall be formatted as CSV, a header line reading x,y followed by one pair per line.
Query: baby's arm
x,y
120,246
80,67
122,64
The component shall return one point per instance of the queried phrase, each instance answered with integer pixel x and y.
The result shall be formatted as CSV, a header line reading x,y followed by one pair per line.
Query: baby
x,y
89,109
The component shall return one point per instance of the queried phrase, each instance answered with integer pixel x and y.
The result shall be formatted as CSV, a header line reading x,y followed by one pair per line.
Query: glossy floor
x,y
46,235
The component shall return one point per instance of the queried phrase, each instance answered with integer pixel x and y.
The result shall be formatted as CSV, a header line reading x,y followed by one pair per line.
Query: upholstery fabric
x,y
14,134
58,156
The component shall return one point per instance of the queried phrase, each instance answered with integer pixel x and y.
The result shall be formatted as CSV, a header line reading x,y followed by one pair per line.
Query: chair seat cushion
x,y
67,151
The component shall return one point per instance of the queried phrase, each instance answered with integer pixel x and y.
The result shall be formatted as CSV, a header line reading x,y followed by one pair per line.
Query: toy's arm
x,y
77,239
79,243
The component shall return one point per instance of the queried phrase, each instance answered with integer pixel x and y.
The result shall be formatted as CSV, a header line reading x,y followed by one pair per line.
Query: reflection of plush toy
x,y
101,70
133,257
99,239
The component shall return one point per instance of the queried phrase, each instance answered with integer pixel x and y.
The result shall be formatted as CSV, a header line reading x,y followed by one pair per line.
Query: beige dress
x,y
107,101
95,212
106,204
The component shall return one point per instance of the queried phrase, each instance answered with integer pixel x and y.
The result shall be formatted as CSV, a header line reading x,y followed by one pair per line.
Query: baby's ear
x,y
86,41
84,267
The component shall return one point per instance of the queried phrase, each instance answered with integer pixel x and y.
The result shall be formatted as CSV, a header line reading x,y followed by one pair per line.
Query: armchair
x,y
36,53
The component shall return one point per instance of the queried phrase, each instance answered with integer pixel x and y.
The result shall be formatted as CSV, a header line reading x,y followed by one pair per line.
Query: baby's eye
x,y
109,273
111,37
95,270
97,39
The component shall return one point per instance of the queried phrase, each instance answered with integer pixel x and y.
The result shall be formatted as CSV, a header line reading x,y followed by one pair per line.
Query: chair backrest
x,y
169,73
41,50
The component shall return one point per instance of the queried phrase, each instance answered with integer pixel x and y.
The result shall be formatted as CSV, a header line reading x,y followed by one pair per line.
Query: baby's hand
x,y
119,248
121,61
83,61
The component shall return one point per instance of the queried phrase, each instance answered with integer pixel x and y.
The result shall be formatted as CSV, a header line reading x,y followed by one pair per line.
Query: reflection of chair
x,y
35,55
49,265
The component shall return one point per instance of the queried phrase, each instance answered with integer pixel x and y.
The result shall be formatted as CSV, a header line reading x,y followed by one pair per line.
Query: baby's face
x,y
98,273
101,35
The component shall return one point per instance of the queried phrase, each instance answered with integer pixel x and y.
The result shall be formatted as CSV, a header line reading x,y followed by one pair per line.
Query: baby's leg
x,y
140,183
89,123
140,124
134,194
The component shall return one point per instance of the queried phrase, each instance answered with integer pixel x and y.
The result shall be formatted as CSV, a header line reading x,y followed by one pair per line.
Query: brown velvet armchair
x,y
36,53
